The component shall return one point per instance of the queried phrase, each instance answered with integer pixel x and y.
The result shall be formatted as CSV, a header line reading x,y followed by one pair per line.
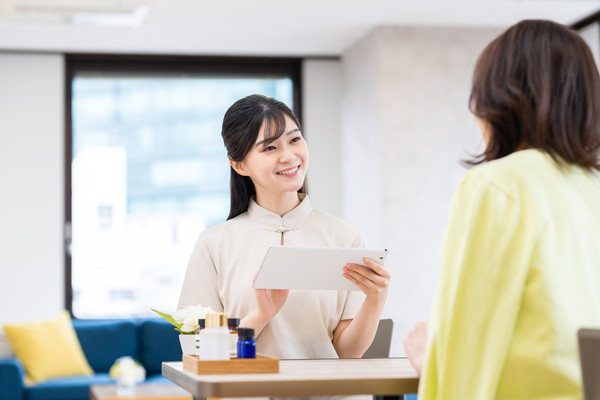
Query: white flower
x,y
189,317
127,371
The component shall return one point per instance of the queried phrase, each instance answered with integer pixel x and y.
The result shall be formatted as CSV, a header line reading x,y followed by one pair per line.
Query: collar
x,y
276,223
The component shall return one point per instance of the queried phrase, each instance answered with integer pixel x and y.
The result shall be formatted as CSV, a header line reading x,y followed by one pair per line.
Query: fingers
x,y
271,293
354,278
367,281
421,326
373,267
280,292
377,267
374,272
417,336
270,301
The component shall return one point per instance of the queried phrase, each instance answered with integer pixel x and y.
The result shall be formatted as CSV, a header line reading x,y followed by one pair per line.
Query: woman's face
x,y
279,166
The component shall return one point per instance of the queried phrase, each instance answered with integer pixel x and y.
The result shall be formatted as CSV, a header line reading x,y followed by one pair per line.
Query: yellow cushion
x,y
48,349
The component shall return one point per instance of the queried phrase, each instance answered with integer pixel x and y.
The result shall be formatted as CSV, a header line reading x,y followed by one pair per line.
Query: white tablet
x,y
311,268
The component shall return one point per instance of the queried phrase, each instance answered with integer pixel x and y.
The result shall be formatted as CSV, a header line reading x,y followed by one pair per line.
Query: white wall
x,y
361,140
321,107
31,185
406,126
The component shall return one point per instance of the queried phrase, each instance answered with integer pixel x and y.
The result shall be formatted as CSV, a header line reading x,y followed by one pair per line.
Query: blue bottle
x,y
246,346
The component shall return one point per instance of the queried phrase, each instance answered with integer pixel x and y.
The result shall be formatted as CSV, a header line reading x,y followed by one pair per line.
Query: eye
x,y
296,139
269,148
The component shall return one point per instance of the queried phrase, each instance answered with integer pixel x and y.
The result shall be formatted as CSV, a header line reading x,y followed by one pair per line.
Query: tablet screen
x,y
311,268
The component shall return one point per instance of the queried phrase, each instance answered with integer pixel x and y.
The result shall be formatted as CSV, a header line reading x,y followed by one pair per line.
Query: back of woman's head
x,y
537,86
241,125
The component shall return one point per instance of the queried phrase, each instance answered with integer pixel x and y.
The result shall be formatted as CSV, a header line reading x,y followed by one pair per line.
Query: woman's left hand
x,y
373,281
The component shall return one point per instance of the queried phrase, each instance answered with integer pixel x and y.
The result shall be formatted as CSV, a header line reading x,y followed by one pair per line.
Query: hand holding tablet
x,y
311,268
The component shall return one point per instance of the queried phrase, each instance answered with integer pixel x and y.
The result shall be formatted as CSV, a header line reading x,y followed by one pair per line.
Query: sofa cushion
x,y
68,388
48,348
159,342
11,379
103,341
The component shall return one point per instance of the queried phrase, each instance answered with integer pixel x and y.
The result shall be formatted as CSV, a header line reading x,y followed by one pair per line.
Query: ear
x,y
239,167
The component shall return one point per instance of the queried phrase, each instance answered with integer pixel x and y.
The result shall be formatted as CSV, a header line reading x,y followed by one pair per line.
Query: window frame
x,y
220,66
584,22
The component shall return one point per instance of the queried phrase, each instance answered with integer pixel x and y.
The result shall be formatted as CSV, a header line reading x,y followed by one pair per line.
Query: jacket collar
x,y
277,223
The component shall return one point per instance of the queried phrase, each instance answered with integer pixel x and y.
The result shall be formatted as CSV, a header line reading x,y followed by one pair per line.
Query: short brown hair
x,y
537,86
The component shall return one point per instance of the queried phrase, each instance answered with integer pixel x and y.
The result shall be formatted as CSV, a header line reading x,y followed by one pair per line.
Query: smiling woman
x,y
269,206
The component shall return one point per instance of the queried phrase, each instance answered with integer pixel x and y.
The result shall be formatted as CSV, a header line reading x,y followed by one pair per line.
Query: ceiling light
x,y
81,12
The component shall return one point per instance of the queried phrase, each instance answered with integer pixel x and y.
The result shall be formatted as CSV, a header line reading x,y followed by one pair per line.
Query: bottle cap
x,y
233,322
212,320
216,320
245,334
201,323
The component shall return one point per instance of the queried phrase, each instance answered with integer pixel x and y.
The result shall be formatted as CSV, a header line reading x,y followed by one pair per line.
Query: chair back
x,y
380,348
589,356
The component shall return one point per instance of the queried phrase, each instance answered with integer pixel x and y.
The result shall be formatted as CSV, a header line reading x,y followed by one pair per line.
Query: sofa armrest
x,y
12,379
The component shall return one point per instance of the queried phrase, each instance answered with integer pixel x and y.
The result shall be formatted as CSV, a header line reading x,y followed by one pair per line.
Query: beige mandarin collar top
x,y
227,256
275,222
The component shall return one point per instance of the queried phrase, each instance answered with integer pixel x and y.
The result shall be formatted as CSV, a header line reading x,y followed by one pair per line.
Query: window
x,y
147,171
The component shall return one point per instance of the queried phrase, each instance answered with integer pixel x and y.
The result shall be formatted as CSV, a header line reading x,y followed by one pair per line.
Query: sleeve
x,y
201,282
485,262
354,299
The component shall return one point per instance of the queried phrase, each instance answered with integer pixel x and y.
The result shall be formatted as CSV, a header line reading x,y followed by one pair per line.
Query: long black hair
x,y
241,125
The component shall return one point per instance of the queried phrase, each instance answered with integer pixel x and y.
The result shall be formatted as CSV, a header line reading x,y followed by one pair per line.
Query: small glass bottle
x,y
233,324
214,339
246,346
201,325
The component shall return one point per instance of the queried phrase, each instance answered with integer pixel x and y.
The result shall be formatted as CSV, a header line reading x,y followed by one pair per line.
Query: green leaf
x,y
170,319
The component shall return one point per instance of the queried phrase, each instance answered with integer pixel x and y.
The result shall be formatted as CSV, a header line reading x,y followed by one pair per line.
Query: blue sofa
x,y
150,341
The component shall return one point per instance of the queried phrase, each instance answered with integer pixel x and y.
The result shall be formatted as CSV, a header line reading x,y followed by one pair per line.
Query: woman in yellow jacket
x,y
521,257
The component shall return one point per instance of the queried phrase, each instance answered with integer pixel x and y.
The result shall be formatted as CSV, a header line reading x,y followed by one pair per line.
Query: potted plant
x,y
185,321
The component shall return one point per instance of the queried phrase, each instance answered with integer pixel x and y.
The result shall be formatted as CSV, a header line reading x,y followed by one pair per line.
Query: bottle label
x,y
246,349
233,345
214,344
198,344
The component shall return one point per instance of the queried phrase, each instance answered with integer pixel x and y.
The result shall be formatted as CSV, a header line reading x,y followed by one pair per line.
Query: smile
x,y
290,171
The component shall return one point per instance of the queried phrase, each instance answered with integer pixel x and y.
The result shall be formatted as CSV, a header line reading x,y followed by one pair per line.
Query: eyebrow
x,y
271,140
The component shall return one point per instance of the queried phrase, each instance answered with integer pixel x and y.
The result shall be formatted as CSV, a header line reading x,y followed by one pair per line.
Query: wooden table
x,y
386,376
142,392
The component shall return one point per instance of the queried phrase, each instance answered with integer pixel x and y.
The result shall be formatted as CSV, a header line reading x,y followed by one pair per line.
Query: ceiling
x,y
264,27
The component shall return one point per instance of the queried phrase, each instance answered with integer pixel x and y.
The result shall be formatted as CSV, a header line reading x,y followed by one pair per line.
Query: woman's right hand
x,y
415,345
270,301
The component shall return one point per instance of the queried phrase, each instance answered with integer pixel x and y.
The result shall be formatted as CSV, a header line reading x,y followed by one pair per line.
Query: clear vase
x,y
126,386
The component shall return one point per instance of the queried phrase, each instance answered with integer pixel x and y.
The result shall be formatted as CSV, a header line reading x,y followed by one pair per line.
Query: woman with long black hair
x,y
269,207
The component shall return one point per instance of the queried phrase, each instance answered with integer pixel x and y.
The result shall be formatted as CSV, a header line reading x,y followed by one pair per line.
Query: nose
x,y
287,154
